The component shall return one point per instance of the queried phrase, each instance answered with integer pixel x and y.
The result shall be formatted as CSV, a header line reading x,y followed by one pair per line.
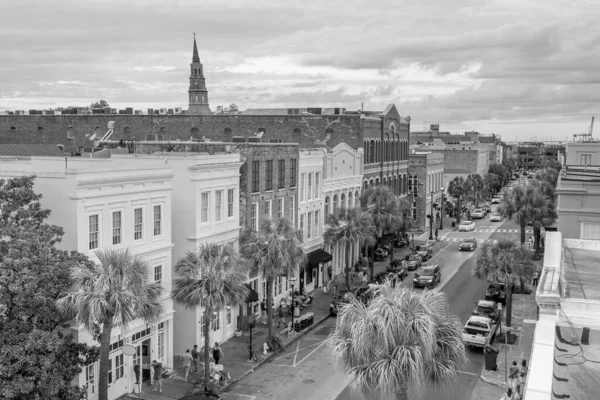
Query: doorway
x,y
146,361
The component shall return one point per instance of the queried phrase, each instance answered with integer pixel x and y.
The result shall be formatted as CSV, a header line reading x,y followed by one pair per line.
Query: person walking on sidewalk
x,y
217,353
536,276
263,312
513,376
158,371
195,357
187,363
280,316
523,376
436,234
508,395
335,288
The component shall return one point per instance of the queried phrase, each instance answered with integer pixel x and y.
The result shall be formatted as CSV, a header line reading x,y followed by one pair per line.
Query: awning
x,y
318,256
252,295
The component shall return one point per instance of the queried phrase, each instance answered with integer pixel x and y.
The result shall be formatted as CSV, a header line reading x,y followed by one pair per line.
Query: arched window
x,y
356,199
372,183
366,184
297,131
263,130
372,152
350,200
384,181
335,202
203,98
194,131
377,182
196,99
329,130
326,207
228,131
343,201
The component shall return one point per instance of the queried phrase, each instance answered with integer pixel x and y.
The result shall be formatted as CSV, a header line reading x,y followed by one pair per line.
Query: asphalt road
x,y
306,370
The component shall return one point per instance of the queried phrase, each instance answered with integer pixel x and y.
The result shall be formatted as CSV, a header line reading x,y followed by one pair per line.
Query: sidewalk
x,y
524,317
235,353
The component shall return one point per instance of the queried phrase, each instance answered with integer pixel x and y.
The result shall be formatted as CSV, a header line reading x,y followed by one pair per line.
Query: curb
x,y
267,358
493,382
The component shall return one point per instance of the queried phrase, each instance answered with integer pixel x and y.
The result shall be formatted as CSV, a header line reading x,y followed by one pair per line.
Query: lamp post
x,y
431,219
442,210
292,281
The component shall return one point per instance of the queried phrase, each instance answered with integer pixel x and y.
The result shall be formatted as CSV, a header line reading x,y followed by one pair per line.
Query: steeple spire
x,y
195,57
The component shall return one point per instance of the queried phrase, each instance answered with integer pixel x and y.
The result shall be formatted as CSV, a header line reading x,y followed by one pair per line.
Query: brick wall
x,y
54,129
464,161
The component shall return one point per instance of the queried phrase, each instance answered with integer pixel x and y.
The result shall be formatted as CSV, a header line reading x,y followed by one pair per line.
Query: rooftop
x,y
589,173
26,150
581,273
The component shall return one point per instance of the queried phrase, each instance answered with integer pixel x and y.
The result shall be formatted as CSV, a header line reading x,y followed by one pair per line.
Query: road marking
x,y
467,373
296,354
239,395
439,288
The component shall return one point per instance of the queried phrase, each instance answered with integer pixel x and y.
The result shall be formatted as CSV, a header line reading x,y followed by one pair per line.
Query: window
x,y
216,321
276,283
218,202
117,223
93,228
309,189
229,203
309,225
158,273
317,223
281,174
293,210
229,316
317,182
119,367
280,280
204,207
356,199
161,344
335,200
280,209
157,220
350,204
302,178
586,159
254,217
89,379
269,180
138,224
343,201
293,173
255,176
110,372
302,225
326,206
590,230
268,208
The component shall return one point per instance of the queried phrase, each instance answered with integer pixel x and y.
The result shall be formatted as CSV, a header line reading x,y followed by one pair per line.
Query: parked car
x,y
466,226
496,291
424,250
495,217
487,308
414,261
486,208
401,241
427,276
467,244
380,254
479,331
344,297
478,213
496,200
395,267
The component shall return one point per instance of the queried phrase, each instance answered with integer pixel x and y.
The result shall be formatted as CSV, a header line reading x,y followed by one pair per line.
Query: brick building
x,y
426,184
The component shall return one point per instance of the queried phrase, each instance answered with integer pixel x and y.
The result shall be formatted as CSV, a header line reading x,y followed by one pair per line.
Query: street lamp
x,y
292,281
431,219
442,210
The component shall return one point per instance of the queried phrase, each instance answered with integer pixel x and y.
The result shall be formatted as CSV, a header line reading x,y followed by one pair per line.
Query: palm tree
x,y
403,340
406,221
117,291
520,203
347,228
504,261
380,202
457,189
492,183
212,277
273,251
475,184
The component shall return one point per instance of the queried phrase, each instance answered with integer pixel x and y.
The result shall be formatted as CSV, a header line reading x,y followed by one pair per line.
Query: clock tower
x,y
198,95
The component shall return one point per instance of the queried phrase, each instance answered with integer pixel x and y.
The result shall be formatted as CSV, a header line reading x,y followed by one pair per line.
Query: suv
x,y
479,331
424,250
487,308
496,292
427,276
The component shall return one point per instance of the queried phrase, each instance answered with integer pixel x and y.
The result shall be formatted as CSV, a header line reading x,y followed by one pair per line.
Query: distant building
x,y
426,184
198,94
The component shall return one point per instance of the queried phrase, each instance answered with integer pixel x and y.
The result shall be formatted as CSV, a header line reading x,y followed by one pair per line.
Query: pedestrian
x,y
187,363
335,288
263,312
158,371
364,278
217,352
436,234
195,357
297,311
536,276
330,272
513,376
530,241
280,315
365,261
523,375
508,395
360,276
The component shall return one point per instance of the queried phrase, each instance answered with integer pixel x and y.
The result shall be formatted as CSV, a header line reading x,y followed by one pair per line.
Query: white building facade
x,y
104,204
343,175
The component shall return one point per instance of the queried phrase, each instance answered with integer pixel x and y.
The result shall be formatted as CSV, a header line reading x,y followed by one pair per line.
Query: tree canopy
x,y
39,358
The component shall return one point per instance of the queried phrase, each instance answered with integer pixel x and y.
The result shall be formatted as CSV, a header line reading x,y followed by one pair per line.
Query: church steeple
x,y
198,95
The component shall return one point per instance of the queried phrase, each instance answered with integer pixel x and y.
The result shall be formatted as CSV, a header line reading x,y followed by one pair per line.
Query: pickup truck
x,y
479,331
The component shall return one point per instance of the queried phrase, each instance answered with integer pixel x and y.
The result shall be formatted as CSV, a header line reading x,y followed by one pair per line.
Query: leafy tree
x,y
273,251
115,292
504,261
380,202
38,357
503,174
521,204
213,278
347,228
475,185
492,183
402,341
100,104
458,189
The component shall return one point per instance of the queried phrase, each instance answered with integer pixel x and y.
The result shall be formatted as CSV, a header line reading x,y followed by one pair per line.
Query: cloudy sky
x,y
518,68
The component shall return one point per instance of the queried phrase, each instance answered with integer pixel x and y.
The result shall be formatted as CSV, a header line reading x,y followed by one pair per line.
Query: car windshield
x,y
414,258
425,272
466,223
478,210
475,331
469,240
495,215
484,310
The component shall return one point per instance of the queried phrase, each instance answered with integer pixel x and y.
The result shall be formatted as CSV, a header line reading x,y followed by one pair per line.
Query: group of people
x,y
192,358
516,381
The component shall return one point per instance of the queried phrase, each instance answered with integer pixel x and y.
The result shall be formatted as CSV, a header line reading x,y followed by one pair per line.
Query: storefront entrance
x,y
312,272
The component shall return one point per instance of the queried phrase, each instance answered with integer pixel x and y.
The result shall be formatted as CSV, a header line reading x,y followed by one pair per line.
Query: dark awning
x,y
318,256
252,295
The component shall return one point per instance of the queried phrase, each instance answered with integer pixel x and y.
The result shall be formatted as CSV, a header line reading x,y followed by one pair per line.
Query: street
x,y
306,370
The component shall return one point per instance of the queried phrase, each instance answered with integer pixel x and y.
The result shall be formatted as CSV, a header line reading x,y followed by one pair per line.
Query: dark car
x,y
424,250
496,291
427,276
467,244
487,308
344,297
400,241
380,254
395,267
414,261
